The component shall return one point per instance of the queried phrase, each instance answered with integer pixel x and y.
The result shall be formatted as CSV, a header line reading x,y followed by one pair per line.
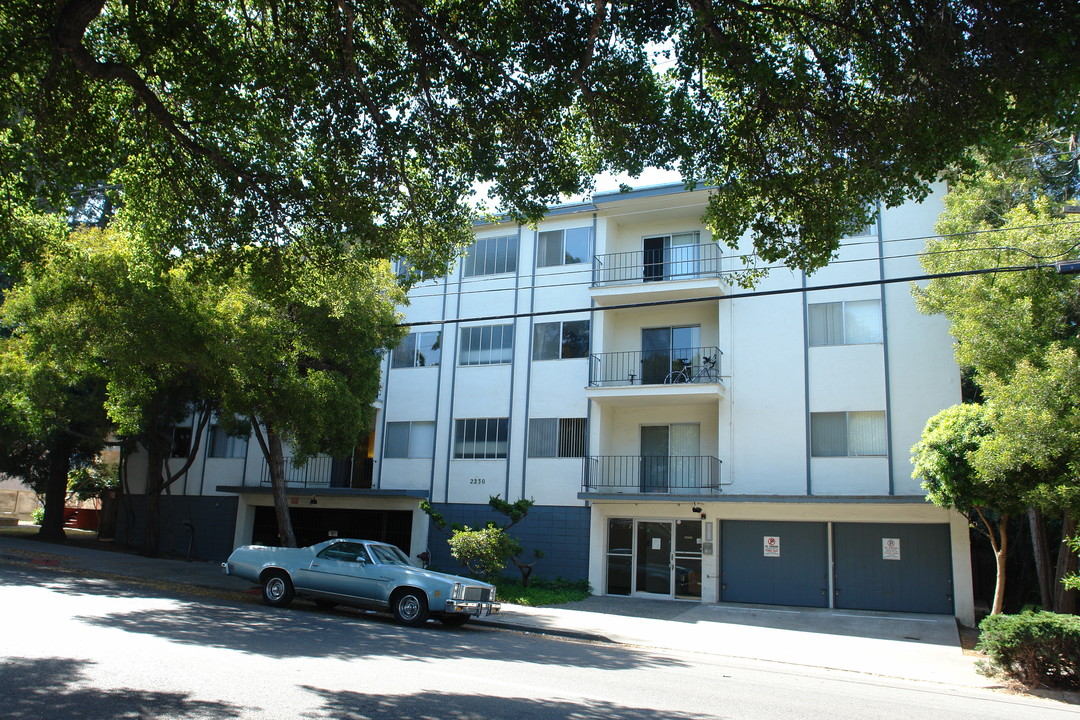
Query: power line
x,y
732,296
746,258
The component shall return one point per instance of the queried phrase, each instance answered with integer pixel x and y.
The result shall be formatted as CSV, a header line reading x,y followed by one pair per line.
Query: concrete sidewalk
x,y
908,646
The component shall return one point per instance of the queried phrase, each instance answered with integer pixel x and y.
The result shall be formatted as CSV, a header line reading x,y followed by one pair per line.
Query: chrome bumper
x,y
471,607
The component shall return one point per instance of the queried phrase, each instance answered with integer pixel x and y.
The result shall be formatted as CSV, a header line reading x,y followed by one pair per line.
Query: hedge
x,y
1035,648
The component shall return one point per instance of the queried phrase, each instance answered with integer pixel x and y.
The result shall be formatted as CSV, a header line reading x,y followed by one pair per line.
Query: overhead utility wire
x,y
742,257
731,296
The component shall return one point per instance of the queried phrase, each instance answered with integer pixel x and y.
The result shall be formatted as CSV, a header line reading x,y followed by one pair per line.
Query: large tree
x,y
361,123
101,311
302,354
1016,332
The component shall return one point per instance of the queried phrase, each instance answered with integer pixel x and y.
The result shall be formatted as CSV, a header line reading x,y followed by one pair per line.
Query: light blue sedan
x,y
361,573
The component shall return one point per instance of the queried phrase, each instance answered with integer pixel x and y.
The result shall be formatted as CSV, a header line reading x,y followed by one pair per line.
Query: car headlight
x,y
458,592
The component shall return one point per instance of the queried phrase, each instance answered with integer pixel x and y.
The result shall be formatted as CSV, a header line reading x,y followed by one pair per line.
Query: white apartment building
x,y
681,437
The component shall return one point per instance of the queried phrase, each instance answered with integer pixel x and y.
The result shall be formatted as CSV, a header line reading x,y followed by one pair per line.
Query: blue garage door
x,y
774,563
893,566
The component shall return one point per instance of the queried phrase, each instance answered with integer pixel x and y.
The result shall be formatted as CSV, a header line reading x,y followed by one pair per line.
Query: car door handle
x,y
314,564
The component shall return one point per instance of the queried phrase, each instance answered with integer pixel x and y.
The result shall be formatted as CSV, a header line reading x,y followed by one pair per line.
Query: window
x,y
557,437
563,247
845,323
419,349
481,438
847,434
409,440
489,256
181,442
223,445
561,340
486,345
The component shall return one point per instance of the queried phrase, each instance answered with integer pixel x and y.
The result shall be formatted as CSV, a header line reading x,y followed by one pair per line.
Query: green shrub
x,y
483,551
541,592
1035,648
38,515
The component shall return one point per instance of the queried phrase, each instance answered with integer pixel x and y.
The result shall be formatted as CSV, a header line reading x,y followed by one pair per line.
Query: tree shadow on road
x,y
347,705
57,688
348,635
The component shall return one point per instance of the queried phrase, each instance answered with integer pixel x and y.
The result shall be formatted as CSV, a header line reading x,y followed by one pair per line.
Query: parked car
x,y
361,573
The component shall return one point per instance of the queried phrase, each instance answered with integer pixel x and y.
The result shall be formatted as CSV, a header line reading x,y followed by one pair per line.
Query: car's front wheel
x,y
410,607
277,589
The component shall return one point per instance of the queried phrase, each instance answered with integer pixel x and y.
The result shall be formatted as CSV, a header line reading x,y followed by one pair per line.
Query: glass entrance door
x,y
653,558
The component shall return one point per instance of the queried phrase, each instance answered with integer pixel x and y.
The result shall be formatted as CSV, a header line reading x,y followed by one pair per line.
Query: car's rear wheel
x,y
453,620
277,589
410,607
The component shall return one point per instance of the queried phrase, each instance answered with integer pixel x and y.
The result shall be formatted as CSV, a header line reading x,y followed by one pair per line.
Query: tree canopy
x,y
1017,337
215,124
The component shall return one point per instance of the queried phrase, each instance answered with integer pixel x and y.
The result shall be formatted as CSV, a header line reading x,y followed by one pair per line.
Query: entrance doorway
x,y
654,558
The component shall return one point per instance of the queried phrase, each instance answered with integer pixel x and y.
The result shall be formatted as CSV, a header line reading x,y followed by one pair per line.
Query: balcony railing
x,y
323,472
672,475
636,367
679,262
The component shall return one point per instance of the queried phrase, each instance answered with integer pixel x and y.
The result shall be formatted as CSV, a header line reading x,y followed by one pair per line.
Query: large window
x,y
845,323
557,437
563,247
847,434
490,256
561,340
486,345
481,438
409,440
223,445
419,349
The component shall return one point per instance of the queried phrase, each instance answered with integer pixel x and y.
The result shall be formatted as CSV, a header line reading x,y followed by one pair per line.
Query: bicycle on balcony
x,y
683,371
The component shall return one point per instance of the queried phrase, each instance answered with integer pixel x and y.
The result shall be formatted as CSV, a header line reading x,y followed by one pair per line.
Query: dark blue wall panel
x,y
562,533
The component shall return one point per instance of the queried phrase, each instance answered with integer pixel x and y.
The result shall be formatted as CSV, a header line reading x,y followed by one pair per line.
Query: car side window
x,y
349,552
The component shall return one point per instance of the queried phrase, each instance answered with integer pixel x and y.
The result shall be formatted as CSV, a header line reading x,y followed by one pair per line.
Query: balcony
x,y
678,272
682,375
323,472
652,475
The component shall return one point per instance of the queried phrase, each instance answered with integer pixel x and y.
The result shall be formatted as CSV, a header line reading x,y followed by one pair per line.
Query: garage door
x,y
893,566
774,563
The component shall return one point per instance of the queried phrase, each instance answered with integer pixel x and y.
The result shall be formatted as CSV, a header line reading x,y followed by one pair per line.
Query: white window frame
x,y
537,345
399,350
852,441
476,345
469,445
417,445
234,447
544,251
813,319
496,255
558,438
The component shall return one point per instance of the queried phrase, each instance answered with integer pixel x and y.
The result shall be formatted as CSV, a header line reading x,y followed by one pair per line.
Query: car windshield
x,y
389,555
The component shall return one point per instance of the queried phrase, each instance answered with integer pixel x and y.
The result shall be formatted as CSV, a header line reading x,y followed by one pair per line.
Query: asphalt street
x,y
78,647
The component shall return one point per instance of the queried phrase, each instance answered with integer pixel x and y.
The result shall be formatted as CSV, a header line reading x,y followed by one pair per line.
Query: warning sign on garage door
x,y
772,546
890,548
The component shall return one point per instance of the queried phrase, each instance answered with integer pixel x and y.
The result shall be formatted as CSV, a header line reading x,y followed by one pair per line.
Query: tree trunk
x,y
276,461
52,525
1065,599
1043,570
155,466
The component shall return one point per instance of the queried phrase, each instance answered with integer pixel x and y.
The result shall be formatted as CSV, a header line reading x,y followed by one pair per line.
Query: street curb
x,y
534,630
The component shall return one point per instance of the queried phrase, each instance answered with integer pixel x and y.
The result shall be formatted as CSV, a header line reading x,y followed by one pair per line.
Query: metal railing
x,y
672,474
635,367
679,262
316,472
